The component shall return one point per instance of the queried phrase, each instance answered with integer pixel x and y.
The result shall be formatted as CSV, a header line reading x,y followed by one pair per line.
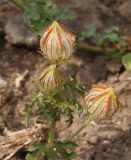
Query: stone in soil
x,y
125,9
114,66
3,83
18,34
93,140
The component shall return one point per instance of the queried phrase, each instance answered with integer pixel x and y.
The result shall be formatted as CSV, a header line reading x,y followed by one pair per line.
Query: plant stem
x,y
94,49
83,126
52,133
87,47
19,3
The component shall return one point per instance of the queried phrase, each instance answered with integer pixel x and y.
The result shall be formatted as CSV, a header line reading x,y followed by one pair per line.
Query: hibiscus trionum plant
x,y
57,96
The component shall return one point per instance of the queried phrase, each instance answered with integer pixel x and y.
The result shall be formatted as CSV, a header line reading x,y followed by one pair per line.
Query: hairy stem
x,y
52,133
87,47
83,126
94,49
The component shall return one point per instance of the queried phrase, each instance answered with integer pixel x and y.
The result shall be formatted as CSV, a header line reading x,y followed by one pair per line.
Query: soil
x,y
110,140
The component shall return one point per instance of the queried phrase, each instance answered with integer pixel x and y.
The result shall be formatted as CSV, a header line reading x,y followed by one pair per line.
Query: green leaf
x,y
29,156
74,87
44,109
70,145
51,154
126,60
35,155
79,107
30,104
33,14
40,146
88,32
113,37
122,42
65,14
38,151
61,148
112,29
99,40
39,14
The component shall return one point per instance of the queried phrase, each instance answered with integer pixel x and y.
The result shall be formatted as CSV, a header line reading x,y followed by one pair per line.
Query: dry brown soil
x,y
107,141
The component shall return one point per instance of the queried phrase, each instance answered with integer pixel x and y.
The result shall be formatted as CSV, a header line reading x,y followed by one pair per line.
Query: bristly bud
x,y
50,79
102,102
57,43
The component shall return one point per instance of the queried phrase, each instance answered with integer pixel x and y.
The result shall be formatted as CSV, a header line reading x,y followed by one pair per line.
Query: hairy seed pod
x,y
57,43
102,102
50,79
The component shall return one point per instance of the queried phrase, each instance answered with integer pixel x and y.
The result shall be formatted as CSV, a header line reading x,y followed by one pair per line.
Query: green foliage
x,y
52,107
110,36
57,104
63,147
40,151
126,60
30,103
88,32
106,40
63,14
73,87
39,14
37,151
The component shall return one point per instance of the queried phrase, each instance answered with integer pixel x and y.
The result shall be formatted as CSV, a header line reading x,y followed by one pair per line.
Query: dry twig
x,y
13,142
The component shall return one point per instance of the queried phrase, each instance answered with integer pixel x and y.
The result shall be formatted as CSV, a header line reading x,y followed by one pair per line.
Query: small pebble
x,y
105,142
93,140
125,124
3,83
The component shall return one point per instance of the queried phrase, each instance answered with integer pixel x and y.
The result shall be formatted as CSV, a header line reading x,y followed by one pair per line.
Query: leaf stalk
x,y
83,126
52,133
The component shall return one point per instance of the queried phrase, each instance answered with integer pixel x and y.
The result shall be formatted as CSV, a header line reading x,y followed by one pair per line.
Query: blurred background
x,y
20,60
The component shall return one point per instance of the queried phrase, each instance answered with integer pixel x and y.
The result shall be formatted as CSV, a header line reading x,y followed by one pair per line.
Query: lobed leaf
x,y
88,32
126,60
